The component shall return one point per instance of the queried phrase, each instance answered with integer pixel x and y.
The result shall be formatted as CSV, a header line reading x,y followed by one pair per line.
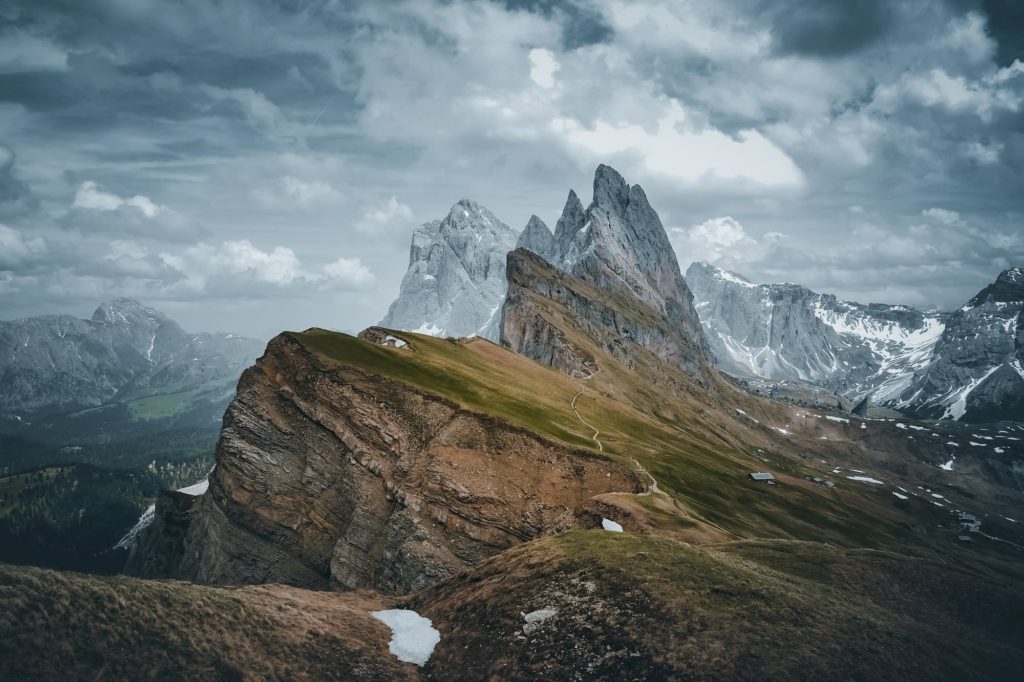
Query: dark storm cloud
x,y
1006,22
826,28
582,25
16,197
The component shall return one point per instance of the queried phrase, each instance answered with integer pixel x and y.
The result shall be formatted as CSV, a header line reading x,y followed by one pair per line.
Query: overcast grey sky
x,y
251,166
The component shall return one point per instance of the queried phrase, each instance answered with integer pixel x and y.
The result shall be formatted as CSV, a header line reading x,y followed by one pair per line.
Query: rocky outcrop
x,y
456,278
58,363
329,475
545,305
787,332
617,247
977,372
537,237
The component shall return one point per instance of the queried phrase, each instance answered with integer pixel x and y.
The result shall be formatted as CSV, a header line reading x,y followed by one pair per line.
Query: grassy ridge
x,y
684,440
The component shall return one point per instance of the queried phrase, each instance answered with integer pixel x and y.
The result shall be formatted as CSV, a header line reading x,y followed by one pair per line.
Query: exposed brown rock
x,y
328,475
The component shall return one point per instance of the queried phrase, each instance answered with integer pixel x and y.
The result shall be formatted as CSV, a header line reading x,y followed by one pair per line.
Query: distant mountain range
x,y
964,364
74,386
56,364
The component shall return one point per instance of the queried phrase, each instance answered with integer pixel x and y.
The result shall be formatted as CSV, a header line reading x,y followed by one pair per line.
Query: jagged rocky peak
x,y
1008,288
456,278
537,238
569,225
619,243
618,247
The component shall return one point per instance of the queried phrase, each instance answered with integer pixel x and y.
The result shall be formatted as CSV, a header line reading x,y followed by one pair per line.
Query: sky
x,y
259,165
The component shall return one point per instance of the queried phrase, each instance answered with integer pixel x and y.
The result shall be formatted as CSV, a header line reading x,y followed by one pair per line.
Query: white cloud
x,y
983,154
968,35
280,266
22,52
91,196
240,267
942,215
678,150
17,250
982,97
350,271
543,67
719,240
393,215
308,192
719,232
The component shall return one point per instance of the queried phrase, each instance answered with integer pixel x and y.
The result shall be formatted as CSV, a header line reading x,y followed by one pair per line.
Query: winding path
x,y
653,486
597,433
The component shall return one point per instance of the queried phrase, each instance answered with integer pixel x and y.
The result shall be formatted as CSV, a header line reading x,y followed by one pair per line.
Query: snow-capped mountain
x,y
965,364
455,283
977,369
786,331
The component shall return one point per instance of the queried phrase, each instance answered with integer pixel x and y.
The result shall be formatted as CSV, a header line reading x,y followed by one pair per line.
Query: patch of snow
x,y
128,541
902,497
608,524
866,479
413,637
977,445
837,419
430,329
948,466
739,411
196,489
999,451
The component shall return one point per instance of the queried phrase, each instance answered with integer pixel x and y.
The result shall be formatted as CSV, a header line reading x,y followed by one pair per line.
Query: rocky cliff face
x,y
553,317
977,369
329,475
456,277
788,332
59,363
636,293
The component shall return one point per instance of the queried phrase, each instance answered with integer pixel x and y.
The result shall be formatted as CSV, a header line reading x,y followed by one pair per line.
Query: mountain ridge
x,y
894,354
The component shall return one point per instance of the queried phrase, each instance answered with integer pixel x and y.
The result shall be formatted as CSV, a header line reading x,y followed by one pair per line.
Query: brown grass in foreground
x,y
67,626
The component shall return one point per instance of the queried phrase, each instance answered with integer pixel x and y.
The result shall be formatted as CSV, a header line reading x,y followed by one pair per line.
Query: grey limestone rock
x,y
456,278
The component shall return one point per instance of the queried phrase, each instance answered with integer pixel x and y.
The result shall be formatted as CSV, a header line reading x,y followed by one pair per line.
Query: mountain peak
x,y
537,238
1011,275
1008,288
611,191
705,269
124,310
469,216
